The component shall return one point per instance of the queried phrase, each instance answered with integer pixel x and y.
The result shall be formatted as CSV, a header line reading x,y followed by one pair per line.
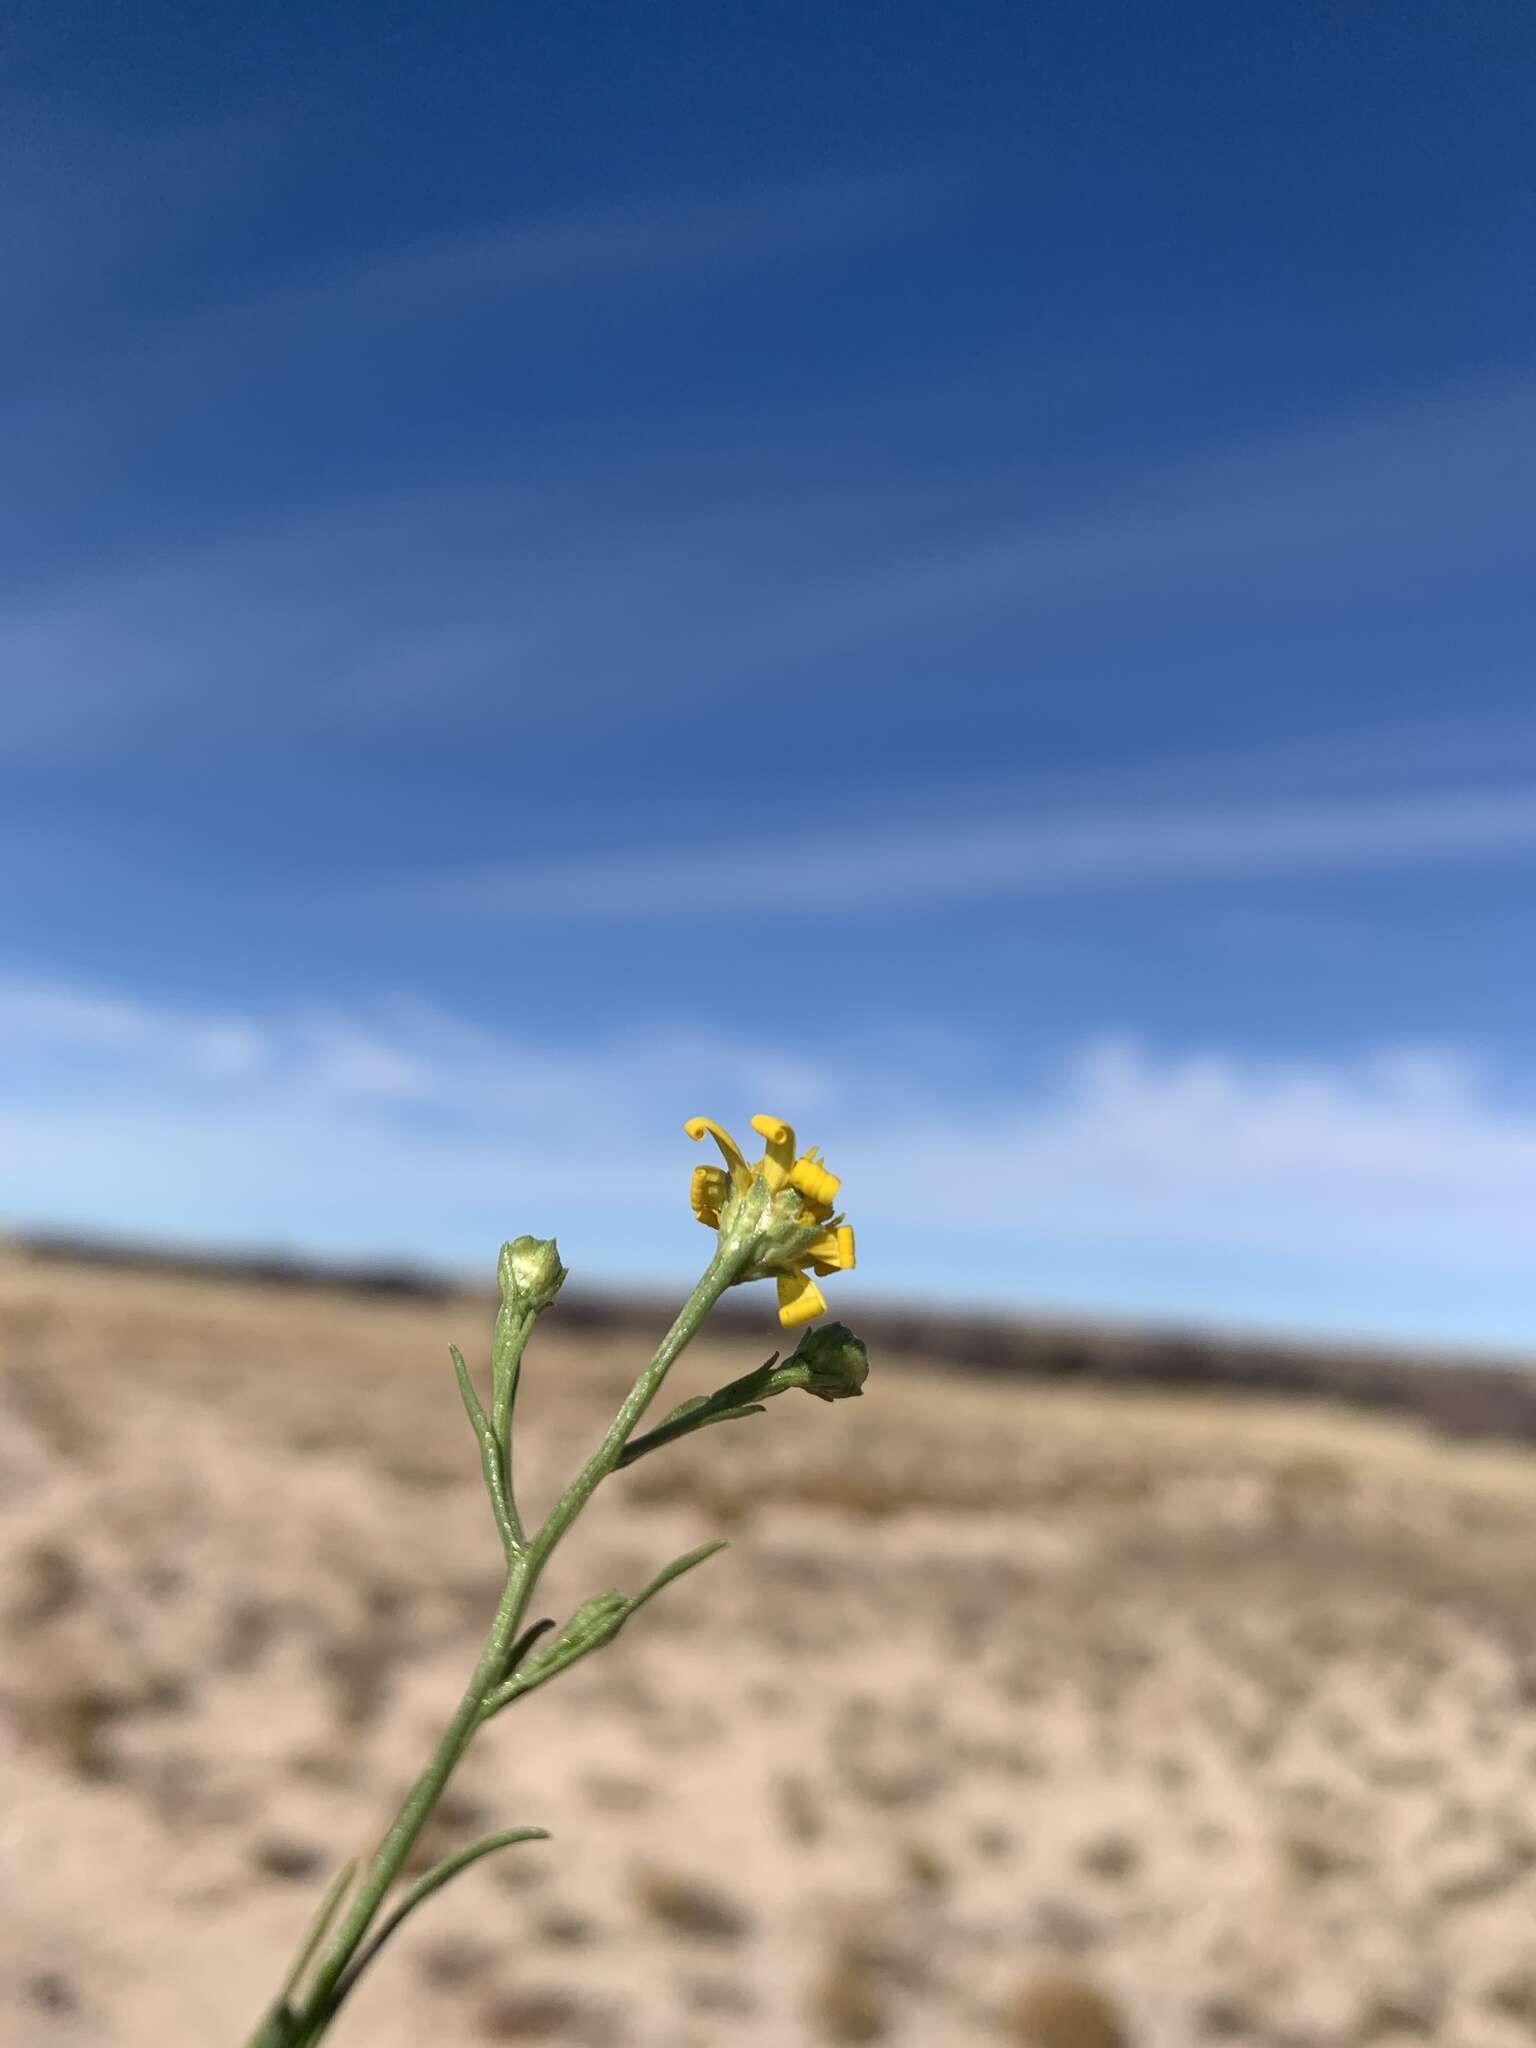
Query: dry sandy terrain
x,y
1015,1714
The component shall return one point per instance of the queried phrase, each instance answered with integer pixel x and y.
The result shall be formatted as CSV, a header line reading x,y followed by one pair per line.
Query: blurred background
x,y
960,576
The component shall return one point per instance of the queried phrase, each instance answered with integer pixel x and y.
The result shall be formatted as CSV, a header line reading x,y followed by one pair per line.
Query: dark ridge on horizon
x,y
1464,1394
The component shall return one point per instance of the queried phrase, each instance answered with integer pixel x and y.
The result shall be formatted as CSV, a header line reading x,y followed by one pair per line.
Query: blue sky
x,y
963,576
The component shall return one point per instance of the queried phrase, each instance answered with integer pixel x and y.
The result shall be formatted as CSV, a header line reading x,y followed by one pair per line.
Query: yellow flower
x,y
790,1226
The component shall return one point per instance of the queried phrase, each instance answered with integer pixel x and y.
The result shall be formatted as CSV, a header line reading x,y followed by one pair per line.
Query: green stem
x,y
397,1844
300,2026
280,2029
507,1347
722,1272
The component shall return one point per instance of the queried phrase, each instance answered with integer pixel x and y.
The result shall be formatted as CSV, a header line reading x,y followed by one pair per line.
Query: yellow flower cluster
x,y
817,1240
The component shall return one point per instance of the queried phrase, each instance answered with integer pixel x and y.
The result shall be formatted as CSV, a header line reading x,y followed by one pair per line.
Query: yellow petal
x,y
800,1299
706,1192
741,1173
780,1153
832,1252
813,1181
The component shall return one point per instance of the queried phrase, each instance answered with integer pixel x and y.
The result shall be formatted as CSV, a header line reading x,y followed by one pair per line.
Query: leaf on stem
x,y
319,1927
479,1420
675,1570
727,1404
432,1881
525,1643
829,1362
595,1623
492,1467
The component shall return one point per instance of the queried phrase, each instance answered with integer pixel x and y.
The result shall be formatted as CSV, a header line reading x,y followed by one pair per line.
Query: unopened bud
x,y
529,1274
829,1362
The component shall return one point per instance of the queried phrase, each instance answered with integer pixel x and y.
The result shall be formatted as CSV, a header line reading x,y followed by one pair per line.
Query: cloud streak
x,y
573,588
1426,483
995,860
1398,1154
466,272
343,1131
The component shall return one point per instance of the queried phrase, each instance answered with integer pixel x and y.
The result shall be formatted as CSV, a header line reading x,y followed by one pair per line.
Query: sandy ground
x,y
1014,1714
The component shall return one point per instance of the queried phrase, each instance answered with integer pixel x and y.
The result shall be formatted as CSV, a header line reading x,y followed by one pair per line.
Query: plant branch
x,y
582,1637
423,1888
285,2027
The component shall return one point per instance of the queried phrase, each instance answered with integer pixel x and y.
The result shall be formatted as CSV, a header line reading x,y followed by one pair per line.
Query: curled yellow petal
x,y
832,1252
800,1299
698,1126
779,1155
707,1191
812,1180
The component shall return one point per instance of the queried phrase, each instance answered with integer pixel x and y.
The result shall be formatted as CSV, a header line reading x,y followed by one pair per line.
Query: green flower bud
x,y
530,1274
829,1362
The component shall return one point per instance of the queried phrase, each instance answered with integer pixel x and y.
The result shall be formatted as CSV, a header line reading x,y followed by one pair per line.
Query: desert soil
x,y
1014,1714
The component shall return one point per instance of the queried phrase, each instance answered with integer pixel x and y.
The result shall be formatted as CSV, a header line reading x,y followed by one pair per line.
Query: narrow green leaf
x,y
737,1414
569,1650
432,1881
684,1408
478,1419
676,1569
739,1397
319,1927
526,1641
490,1456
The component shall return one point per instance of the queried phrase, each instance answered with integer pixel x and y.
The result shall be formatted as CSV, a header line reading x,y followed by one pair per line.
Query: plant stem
x,y
303,2024
424,1794
507,1346
721,1272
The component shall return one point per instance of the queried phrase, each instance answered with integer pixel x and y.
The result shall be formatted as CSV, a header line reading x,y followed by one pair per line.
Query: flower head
x,y
778,1212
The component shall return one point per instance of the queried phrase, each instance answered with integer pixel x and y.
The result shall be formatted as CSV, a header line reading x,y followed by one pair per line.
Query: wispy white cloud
x,y
991,858
470,589
45,1020
1411,489
464,272
408,1132
385,1130
617,244
1404,1153
340,617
